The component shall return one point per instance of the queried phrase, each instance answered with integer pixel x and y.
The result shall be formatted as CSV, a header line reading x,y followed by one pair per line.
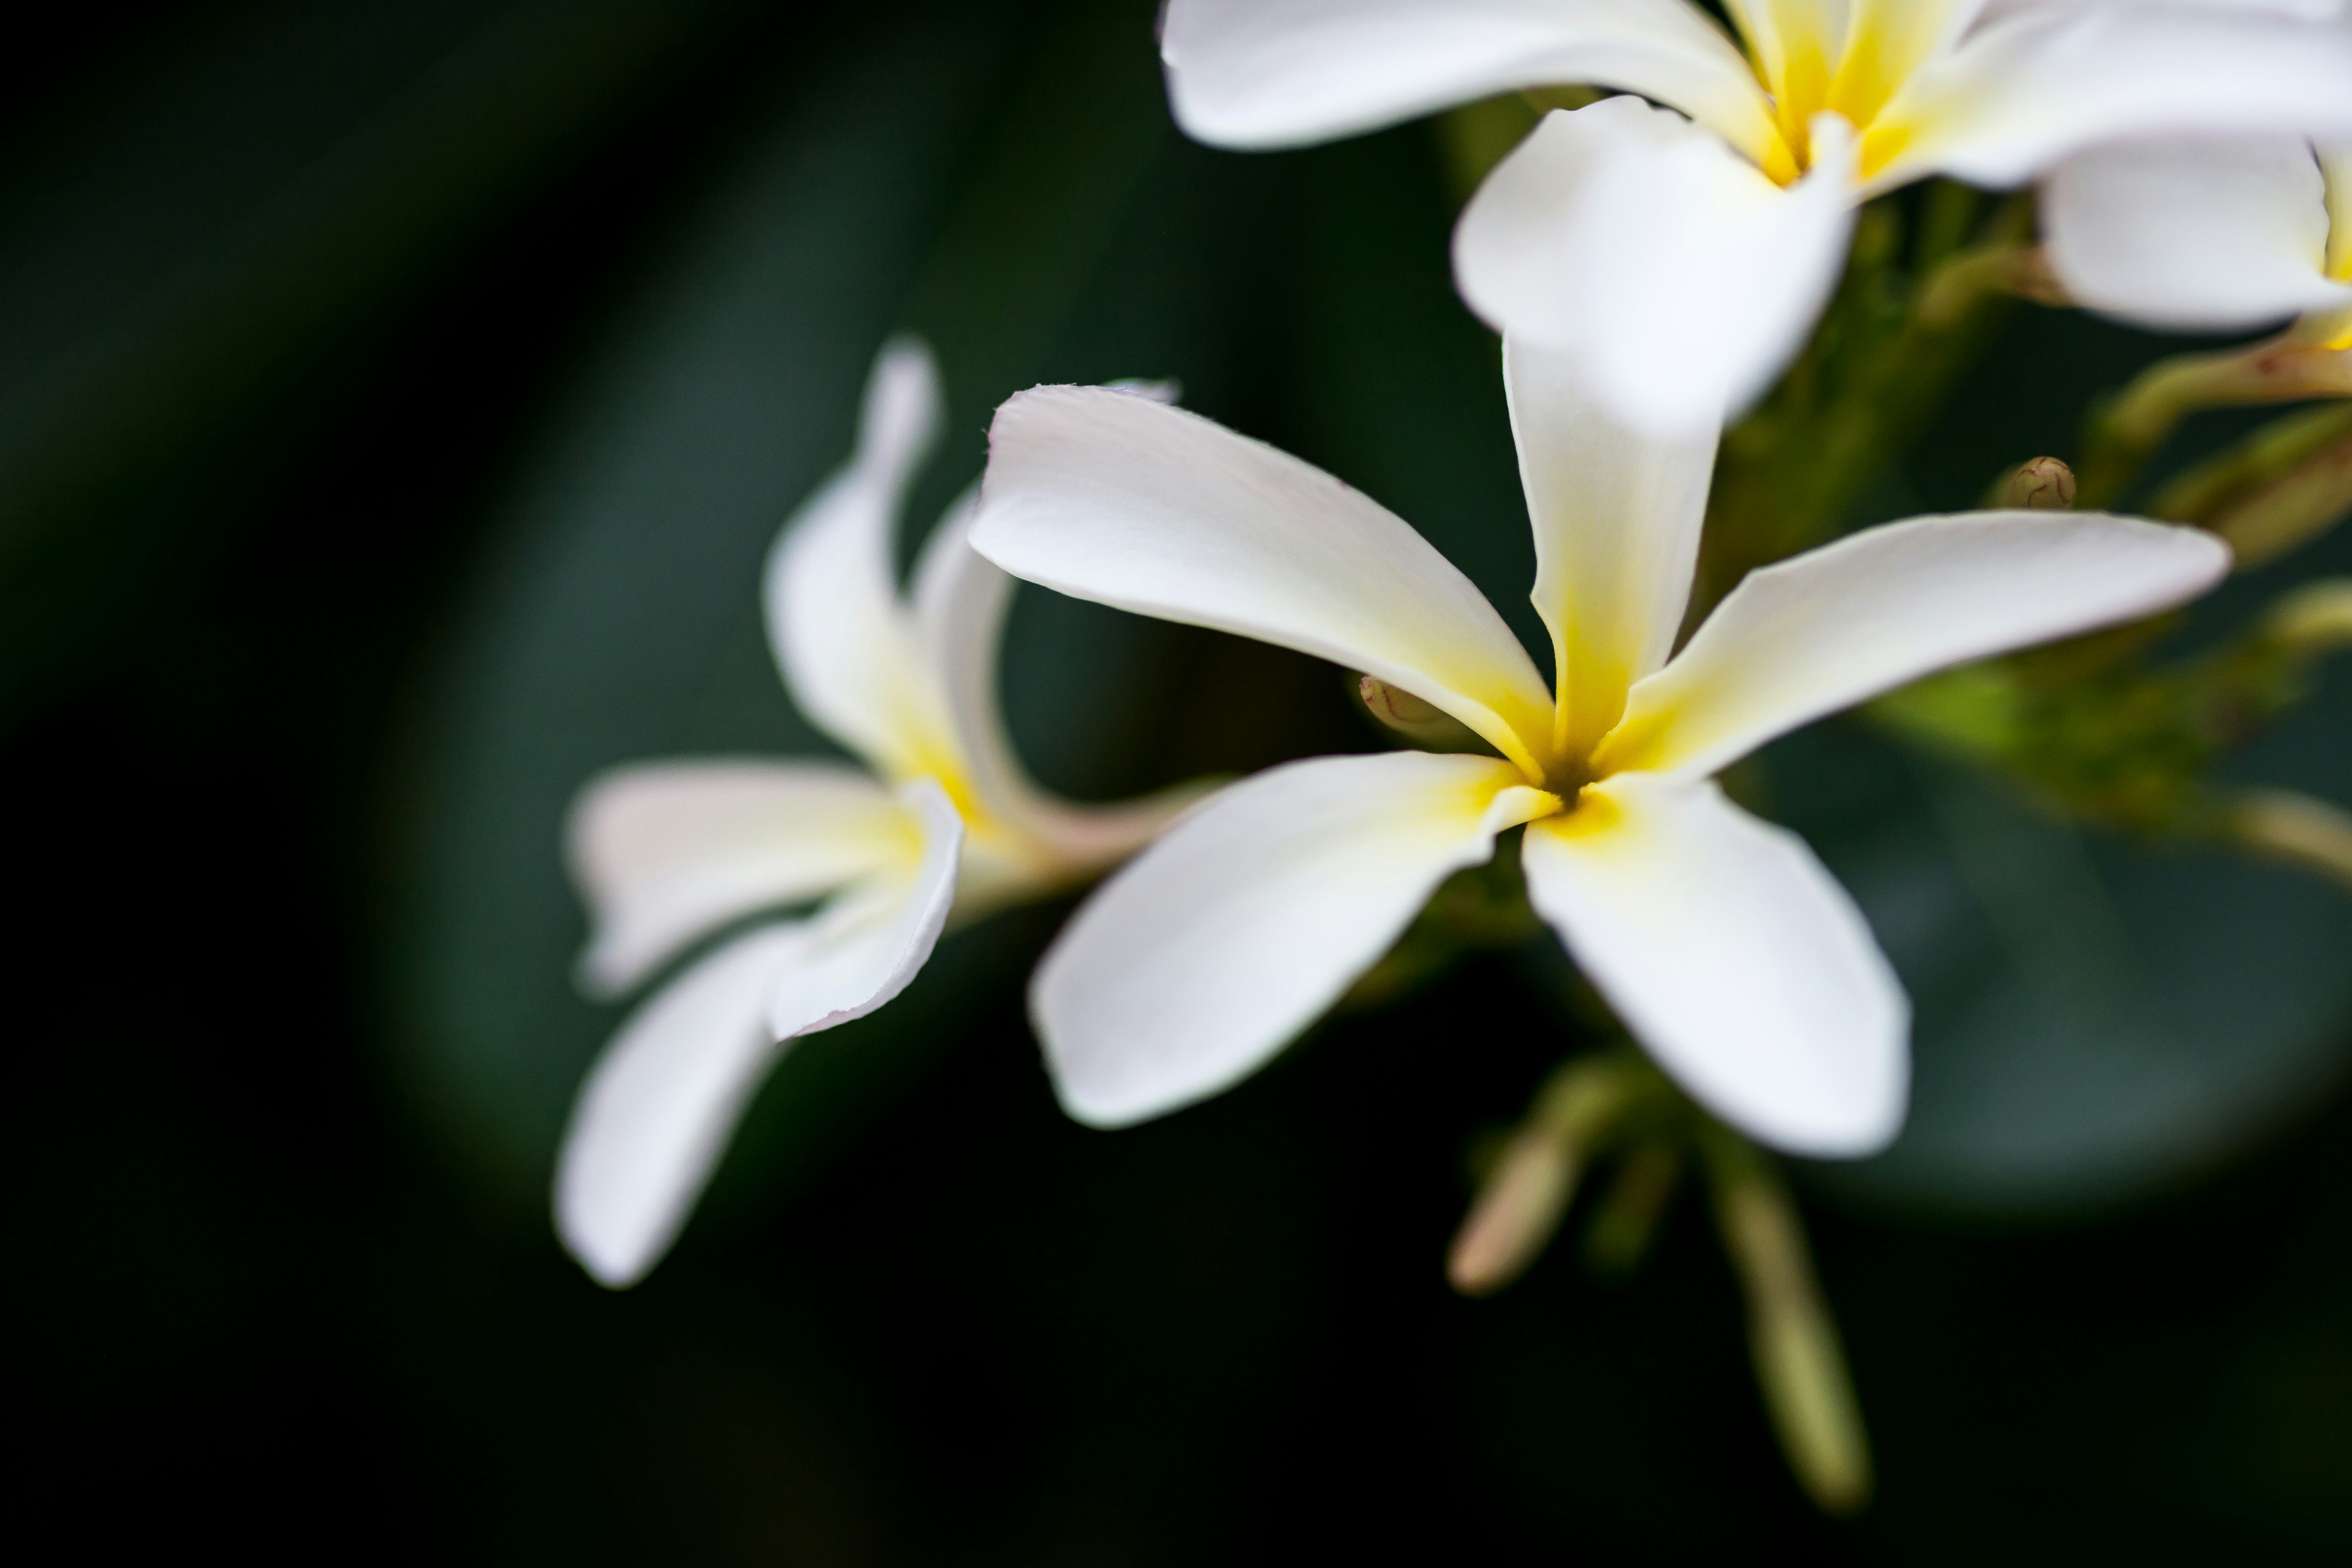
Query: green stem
x,y
1799,1364
2125,433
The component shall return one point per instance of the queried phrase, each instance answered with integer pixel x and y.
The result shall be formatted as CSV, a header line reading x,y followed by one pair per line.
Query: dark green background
x,y
396,402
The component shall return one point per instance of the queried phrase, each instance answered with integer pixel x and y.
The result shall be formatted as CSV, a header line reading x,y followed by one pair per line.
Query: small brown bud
x,y
2045,484
1423,722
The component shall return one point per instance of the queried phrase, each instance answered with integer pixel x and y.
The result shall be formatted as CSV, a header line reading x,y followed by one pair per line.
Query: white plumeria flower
x,y
1724,944
2207,235
1688,257
940,825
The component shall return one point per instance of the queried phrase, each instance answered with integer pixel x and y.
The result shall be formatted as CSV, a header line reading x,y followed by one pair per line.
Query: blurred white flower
x,y
1725,945
1688,257
2208,236
941,825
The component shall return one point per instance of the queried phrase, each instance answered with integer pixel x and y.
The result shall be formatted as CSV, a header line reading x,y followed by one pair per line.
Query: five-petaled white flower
x,y
1726,946
1688,260
944,826
2207,235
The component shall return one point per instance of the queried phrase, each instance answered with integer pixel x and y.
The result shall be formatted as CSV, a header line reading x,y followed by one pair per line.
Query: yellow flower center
x,y
1808,68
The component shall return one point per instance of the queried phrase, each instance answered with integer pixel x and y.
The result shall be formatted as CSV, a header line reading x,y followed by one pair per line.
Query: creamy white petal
x,y
868,945
1617,513
665,852
1189,970
2018,96
1826,629
1734,957
657,1108
1684,277
1108,496
841,634
1284,73
2208,232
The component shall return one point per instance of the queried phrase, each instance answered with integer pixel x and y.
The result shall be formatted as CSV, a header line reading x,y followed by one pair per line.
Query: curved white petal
x,y
1825,629
2018,96
1617,514
1684,277
1284,73
1734,957
2192,234
666,852
657,1108
1108,496
960,599
866,946
1189,969
841,634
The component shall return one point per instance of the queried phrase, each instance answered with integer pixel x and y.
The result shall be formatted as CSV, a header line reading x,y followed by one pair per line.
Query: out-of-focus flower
x,y
1729,950
940,825
2207,236
1688,257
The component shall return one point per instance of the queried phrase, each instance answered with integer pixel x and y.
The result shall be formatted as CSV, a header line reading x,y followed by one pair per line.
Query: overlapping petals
x,y
1730,952
1635,239
945,824
1687,259
661,1101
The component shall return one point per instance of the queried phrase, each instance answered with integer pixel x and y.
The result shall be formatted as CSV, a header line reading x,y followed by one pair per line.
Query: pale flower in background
x,y
1726,948
1687,259
2208,236
940,825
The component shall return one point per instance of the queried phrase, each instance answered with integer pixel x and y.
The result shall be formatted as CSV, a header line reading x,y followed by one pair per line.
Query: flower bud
x,y
2045,484
2282,824
1583,1106
1423,723
2314,618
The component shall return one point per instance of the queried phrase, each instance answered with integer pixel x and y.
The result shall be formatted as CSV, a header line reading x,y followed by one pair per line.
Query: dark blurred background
x,y
395,401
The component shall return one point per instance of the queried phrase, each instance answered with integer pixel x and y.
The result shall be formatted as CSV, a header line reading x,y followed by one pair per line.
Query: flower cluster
x,y
1652,262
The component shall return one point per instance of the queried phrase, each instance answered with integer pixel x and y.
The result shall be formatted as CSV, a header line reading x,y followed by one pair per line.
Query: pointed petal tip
x,y
612,1262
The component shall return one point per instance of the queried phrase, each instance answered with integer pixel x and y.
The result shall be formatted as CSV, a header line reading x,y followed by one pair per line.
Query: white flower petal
x,y
2018,96
868,945
1825,629
666,852
1686,277
1108,496
1190,968
841,635
2301,10
1284,73
1617,514
659,1106
1734,957
2204,233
